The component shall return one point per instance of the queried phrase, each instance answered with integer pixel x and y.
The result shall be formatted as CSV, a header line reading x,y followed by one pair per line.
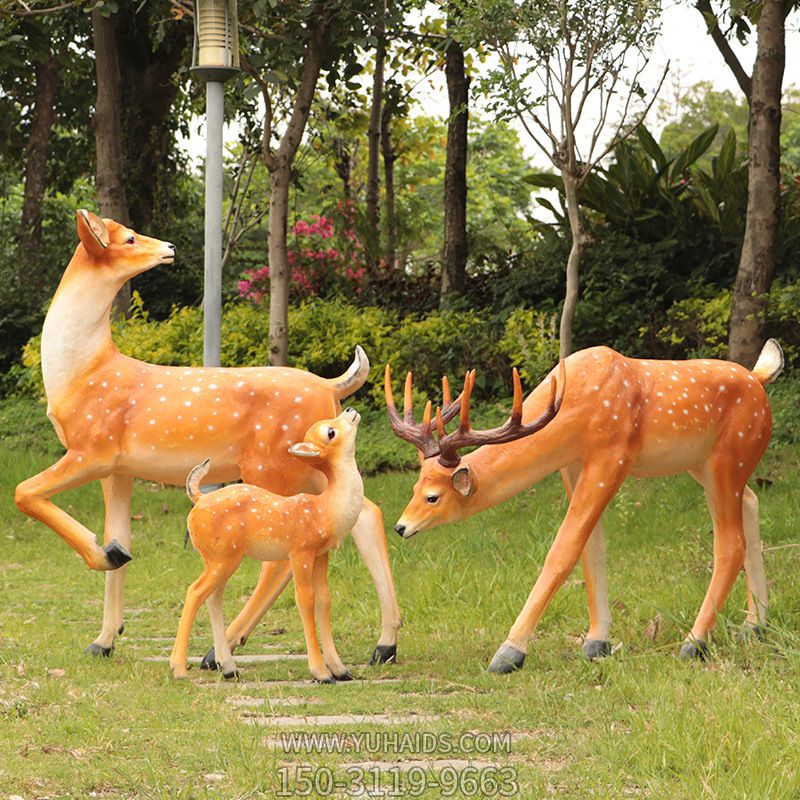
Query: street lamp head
x,y
216,40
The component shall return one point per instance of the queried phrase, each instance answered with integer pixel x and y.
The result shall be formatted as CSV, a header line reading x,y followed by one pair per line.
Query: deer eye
x,y
130,240
331,433
432,498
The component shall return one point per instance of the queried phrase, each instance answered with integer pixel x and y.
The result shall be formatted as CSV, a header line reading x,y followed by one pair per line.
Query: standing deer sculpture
x,y
620,417
121,419
243,520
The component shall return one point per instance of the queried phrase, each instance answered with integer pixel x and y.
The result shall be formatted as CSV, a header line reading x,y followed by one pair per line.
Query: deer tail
x,y
195,478
352,380
770,362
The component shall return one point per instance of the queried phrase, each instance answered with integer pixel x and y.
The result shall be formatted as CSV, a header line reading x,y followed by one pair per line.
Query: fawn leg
x,y
214,603
271,582
757,595
322,612
196,595
302,569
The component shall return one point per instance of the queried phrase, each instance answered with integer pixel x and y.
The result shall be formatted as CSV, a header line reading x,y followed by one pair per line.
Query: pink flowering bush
x,y
325,257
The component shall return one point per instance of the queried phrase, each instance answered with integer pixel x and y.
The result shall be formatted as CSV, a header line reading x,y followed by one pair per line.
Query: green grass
x,y
640,724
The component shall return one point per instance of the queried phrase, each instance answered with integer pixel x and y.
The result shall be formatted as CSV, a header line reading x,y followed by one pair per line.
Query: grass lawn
x,y
639,724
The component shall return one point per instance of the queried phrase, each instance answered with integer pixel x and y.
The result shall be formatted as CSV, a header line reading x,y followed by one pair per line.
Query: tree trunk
x,y
279,274
757,260
108,135
578,236
30,227
374,137
454,256
389,157
279,165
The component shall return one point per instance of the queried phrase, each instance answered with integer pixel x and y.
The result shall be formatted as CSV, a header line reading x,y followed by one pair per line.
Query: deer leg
x,y
322,612
757,594
370,539
214,603
271,582
725,501
593,491
196,595
302,570
593,558
33,498
117,491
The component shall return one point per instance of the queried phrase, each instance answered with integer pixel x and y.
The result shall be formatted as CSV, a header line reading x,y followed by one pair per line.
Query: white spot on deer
x,y
298,399
152,422
212,385
284,427
88,416
258,427
606,403
162,399
187,403
196,389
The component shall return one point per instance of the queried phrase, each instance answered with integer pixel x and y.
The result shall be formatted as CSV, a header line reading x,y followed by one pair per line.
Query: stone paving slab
x,y
243,659
340,719
305,683
254,702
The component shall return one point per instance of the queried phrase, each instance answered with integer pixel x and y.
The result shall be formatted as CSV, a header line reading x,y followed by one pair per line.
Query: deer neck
x,y
77,332
503,471
343,496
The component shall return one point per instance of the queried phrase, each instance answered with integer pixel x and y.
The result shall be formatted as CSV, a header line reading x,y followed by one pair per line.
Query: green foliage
x,y
530,341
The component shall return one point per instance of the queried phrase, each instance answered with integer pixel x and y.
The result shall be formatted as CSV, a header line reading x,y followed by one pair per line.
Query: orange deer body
x,y
620,417
244,520
120,418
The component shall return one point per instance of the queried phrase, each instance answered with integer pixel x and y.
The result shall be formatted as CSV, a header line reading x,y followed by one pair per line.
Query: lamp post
x,y
215,59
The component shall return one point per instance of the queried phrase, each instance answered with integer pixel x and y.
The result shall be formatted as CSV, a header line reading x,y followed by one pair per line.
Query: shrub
x,y
530,342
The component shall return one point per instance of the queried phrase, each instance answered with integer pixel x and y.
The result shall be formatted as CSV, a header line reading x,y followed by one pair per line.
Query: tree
x,y
565,71
762,88
454,255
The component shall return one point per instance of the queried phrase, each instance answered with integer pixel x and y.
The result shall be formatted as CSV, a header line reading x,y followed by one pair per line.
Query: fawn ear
x,y
464,480
92,232
304,450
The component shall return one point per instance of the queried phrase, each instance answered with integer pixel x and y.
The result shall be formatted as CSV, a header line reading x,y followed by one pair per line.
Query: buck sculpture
x,y
619,417
120,418
243,520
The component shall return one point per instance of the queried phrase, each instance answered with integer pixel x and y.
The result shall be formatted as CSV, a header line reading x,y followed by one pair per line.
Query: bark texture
x,y
374,138
279,165
578,234
389,157
454,256
30,228
757,261
107,124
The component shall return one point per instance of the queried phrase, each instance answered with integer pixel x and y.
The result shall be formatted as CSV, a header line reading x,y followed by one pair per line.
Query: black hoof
x,y
116,554
121,630
750,631
325,680
344,677
95,649
694,648
594,649
384,654
231,676
506,659
210,661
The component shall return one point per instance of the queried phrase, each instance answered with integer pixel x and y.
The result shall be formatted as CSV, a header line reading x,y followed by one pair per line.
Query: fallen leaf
x,y
21,669
137,517
653,627
56,673
277,631
619,605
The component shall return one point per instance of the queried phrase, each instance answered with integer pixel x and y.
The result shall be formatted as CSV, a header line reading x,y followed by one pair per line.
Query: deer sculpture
x,y
620,417
243,520
121,419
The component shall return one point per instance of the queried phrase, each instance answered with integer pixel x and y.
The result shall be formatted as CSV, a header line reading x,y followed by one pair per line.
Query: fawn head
x,y
117,251
445,488
329,441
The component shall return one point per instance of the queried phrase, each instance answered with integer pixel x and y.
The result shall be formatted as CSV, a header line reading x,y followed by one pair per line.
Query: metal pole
x,y
212,297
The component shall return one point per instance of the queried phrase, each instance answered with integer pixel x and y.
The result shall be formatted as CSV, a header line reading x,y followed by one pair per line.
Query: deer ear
x,y
304,450
92,232
464,480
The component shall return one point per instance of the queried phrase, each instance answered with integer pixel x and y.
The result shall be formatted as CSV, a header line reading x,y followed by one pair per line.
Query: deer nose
x,y
172,247
401,529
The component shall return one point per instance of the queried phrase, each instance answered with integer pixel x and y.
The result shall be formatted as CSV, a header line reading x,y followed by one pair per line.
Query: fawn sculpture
x,y
243,520
620,416
121,419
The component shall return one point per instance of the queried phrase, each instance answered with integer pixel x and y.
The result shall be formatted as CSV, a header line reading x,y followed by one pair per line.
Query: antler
x,y
464,436
420,435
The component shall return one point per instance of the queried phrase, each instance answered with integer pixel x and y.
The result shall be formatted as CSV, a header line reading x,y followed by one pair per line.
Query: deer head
x,y
446,486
